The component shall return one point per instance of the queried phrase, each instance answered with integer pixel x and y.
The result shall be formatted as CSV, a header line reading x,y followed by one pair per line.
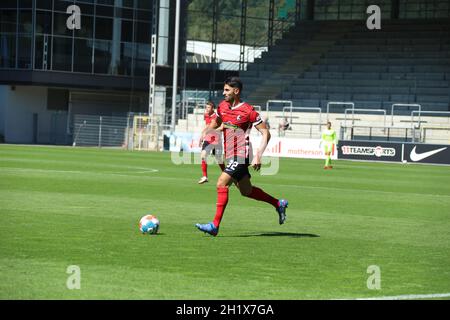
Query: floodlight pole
x,y
175,64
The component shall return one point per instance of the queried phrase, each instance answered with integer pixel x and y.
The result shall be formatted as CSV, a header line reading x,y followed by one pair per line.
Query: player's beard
x,y
232,99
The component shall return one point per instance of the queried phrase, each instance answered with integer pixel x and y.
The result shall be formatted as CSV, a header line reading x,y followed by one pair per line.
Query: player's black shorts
x,y
212,148
237,168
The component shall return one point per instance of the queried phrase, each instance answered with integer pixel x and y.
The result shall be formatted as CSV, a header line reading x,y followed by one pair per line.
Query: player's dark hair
x,y
234,82
210,103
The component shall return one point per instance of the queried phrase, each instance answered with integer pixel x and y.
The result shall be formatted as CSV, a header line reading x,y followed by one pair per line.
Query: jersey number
x,y
232,165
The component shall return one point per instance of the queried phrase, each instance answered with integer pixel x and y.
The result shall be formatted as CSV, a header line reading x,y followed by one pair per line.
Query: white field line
x,y
410,297
362,190
141,170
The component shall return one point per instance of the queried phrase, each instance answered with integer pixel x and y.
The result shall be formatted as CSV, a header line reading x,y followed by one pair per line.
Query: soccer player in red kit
x,y
210,142
237,118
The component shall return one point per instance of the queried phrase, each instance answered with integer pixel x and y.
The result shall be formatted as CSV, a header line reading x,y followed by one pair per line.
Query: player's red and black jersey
x,y
237,122
212,136
208,118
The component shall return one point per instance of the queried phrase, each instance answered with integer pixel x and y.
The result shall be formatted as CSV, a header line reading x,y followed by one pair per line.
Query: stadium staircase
x,y
292,55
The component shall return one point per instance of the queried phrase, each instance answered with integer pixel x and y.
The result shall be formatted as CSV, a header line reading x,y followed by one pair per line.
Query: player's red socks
x,y
222,200
204,168
260,195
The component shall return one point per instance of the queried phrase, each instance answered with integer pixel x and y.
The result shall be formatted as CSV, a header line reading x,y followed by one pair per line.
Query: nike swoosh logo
x,y
420,156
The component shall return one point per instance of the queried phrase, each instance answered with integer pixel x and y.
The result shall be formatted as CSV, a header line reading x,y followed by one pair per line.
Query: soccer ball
x,y
149,224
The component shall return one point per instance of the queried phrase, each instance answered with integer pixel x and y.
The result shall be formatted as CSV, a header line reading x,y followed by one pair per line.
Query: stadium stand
x,y
407,61
318,62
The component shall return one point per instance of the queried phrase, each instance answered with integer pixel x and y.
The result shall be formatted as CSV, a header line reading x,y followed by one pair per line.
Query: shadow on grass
x,y
276,234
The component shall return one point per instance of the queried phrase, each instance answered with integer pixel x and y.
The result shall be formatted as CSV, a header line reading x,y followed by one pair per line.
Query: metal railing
x,y
376,133
419,122
99,131
283,102
300,109
382,111
338,103
257,108
408,105
191,104
366,130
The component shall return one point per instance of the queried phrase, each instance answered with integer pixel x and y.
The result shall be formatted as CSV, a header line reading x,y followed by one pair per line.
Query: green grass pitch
x,y
73,206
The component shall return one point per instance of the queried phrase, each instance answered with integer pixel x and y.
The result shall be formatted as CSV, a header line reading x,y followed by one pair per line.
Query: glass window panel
x,y
7,50
87,27
26,4
126,58
143,32
103,28
43,22
25,21
144,4
127,31
8,4
124,13
128,3
105,11
85,1
144,15
116,65
142,61
107,2
8,21
62,53
44,4
86,9
102,56
62,5
24,52
83,55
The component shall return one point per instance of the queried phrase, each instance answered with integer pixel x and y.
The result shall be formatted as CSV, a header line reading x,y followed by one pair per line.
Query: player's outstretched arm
x,y
262,128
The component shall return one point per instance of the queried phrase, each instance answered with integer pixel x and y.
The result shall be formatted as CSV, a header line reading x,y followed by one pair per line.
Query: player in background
x,y
210,142
238,118
329,142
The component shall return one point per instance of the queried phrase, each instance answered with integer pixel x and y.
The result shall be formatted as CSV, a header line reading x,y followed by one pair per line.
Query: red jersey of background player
x,y
212,137
237,123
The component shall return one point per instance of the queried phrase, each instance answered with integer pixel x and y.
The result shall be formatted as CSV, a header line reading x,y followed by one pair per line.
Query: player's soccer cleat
x,y
203,180
208,228
282,205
